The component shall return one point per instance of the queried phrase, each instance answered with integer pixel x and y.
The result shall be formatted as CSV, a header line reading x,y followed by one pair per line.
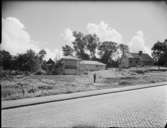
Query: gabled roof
x,y
135,55
129,55
143,56
91,62
70,58
50,61
146,57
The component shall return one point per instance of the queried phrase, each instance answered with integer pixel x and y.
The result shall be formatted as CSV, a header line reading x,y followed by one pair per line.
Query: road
x,y
138,108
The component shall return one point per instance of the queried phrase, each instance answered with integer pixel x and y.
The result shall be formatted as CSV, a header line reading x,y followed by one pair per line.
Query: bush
x,y
124,83
40,72
139,71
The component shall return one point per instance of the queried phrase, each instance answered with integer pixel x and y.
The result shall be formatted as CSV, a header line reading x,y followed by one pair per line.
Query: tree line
x,y
88,47
85,46
29,62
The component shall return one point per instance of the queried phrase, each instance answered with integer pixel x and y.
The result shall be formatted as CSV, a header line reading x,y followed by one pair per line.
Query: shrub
x,y
40,72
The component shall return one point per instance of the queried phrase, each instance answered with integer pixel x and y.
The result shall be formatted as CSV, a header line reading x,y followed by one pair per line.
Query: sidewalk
x,y
54,98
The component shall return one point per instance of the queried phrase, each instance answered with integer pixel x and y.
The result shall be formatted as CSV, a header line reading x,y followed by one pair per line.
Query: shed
x,y
70,65
86,66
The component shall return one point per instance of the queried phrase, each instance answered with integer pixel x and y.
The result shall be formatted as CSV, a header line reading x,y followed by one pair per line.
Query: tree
x,y
42,54
67,50
51,67
107,48
5,58
91,44
28,61
124,51
79,45
159,53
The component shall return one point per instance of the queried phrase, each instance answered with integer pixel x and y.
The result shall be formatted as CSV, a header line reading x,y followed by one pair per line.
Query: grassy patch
x,y
17,87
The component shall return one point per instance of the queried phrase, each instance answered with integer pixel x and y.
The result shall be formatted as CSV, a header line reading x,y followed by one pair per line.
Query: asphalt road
x,y
138,108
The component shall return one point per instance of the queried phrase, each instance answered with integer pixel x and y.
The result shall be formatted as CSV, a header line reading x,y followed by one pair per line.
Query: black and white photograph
x,y
83,64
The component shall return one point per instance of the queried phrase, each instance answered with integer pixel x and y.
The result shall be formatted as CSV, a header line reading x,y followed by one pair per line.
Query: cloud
x,y
68,36
53,54
137,43
104,32
16,39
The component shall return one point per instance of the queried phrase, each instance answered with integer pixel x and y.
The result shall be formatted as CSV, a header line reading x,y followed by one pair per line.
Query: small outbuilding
x,y
70,65
86,66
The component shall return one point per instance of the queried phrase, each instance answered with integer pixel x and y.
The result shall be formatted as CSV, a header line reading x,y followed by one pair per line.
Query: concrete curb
x,y
54,98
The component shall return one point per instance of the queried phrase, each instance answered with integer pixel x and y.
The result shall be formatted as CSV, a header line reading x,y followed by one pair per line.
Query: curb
x,y
62,97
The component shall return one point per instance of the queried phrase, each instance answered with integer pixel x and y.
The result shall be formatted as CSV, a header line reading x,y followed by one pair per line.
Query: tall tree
x,y
159,53
91,43
42,54
107,48
79,45
67,50
124,49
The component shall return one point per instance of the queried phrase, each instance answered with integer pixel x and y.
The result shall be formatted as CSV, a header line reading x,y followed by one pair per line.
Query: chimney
x,y
140,53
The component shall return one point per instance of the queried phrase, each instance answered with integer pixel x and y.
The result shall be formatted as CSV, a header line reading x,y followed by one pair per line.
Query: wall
x,y
70,67
85,68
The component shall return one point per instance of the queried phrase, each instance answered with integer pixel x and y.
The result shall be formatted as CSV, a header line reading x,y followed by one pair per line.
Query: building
x,y
136,59
86,66
69,65
72,66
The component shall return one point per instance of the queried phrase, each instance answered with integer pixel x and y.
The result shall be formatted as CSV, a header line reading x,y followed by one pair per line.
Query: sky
x,y
48,25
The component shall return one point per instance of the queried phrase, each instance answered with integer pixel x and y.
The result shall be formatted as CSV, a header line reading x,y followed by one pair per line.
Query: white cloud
x,y
104,32
53,54
137,43
16,39
68,36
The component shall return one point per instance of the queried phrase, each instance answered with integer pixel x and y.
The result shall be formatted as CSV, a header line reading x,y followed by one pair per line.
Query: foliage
x,y
86,47
124,48
28,61
42,54
159,53
79,45
5,59
107,48
91,44
124,51
67,50
51,67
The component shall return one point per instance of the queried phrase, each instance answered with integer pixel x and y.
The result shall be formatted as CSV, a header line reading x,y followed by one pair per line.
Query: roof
x,y
50,61
143,56
129,55
91,62
70,58
146,57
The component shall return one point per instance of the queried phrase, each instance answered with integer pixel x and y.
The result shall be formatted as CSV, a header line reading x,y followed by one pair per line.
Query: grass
x,y
18,87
